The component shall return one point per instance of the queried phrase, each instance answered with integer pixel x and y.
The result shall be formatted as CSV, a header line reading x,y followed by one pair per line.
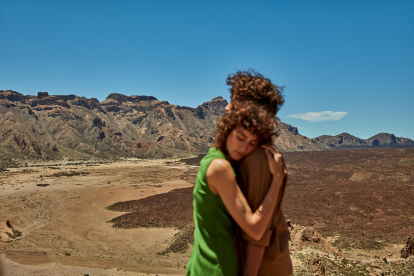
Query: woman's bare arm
x,y
254,256
222,182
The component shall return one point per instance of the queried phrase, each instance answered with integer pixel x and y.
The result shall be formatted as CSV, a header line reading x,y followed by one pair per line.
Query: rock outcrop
x,y
7,232
315,265
408,248
303,236
385,139
343,139
11,96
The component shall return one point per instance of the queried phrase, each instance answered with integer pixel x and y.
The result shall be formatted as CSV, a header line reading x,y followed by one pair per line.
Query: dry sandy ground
x,y
64,223
360,200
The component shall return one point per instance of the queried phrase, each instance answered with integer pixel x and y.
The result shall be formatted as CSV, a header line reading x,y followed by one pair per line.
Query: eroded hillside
x,y
70,127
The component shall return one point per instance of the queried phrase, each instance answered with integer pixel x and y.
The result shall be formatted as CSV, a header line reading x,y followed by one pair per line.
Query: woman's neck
x,y
232,162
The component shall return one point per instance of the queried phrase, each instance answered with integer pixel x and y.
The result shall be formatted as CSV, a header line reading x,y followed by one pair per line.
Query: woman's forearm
x,y
261,217
254,256
222,182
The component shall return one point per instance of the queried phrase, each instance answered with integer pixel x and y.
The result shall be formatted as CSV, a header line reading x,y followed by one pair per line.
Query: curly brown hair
x,y
249,115
252,86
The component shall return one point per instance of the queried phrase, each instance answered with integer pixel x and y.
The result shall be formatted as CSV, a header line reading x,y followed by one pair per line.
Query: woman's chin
x,y
236,157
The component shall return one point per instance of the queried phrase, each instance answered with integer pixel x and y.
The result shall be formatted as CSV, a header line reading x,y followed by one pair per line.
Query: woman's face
x,y
240,143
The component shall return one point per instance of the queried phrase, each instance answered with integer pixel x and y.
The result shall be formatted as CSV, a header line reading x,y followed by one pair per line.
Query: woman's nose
x,y
243,147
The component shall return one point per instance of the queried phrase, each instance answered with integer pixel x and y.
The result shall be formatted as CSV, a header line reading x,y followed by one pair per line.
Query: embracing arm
x,y
222,182
254,256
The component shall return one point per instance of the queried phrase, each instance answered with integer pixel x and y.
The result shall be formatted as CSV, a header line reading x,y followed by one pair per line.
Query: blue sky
x,y
347,66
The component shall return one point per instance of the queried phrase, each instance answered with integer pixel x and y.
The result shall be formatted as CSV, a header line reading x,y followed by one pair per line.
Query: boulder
x,y
315,265
6,231
408,248
303,236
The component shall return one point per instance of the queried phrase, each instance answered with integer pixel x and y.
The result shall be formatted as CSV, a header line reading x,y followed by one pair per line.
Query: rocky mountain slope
x,y
345,139
289,139
72,127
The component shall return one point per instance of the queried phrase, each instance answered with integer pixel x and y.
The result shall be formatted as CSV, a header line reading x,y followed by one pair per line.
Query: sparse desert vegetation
x,y
351,213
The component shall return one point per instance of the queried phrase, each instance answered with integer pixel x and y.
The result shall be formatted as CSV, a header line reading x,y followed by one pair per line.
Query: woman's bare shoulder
x,y
219,166
219,173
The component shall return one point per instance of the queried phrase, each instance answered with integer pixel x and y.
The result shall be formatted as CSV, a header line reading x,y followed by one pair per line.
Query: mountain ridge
x,y
347,140
63,127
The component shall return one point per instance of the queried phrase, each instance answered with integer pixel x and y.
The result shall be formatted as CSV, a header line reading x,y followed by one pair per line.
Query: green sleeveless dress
x,y
214,229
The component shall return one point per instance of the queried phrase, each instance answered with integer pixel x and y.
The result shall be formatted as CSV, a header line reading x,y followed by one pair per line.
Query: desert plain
x,y
351,213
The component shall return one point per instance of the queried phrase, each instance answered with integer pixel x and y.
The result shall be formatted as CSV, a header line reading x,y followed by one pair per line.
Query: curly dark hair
x,y
249,115
252,86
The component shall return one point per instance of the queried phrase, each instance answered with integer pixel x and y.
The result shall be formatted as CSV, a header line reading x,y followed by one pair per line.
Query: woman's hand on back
x,y
275,160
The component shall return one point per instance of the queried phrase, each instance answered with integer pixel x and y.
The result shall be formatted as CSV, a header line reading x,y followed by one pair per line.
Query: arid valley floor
x,y
354,208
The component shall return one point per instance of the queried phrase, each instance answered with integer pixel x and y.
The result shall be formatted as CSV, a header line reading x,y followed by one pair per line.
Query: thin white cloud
x,y
319,116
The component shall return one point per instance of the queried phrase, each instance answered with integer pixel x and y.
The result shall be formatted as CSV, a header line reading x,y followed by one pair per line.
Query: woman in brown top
x,y
270,255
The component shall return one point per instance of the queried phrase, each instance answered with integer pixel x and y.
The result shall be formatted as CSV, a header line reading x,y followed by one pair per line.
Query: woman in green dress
x,y
219,203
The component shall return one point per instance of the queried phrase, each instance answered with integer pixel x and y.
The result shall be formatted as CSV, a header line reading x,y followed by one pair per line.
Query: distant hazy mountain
x,y
73,127
345,139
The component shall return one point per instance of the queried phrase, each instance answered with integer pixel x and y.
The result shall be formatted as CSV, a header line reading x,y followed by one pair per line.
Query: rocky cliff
x,y
73,127
289,139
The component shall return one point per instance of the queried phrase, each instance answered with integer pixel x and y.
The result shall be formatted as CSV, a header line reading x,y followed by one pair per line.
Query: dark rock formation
x,y
21,142
122,98
11,95
343,139
42,95
199,112
385,139
52,101
315,265
81,101
66,97
408,248
98,122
